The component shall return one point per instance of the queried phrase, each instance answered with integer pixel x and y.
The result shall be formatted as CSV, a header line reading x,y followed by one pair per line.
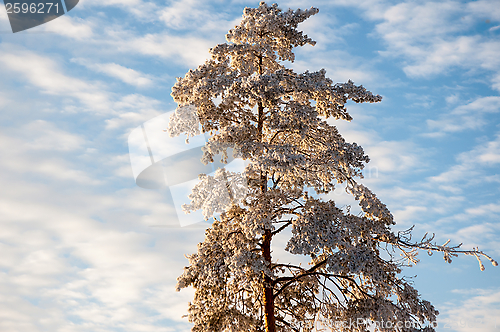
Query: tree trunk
x,y
268,286
270,320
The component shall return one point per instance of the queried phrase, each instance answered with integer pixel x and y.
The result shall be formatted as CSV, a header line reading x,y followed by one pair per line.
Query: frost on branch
x,y
215,194
409,249
370,204
274,31
184,120
226,273
276,120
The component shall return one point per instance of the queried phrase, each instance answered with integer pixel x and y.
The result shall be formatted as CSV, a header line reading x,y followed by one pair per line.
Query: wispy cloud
x,y
145,10
49,77
191,51
78,252
469,116
23,161
69,253
433,38
70,27
477,312
124,74
45,74
340,66
470,164
46,136
386,156
196,16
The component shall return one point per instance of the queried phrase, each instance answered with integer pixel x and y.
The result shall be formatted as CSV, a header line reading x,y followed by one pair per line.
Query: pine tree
x,y
274,118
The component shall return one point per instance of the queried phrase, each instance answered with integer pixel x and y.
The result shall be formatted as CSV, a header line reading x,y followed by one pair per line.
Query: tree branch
x,y
282,228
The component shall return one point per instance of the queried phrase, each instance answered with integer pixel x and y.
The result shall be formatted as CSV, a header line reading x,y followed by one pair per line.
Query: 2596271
x,y
33,8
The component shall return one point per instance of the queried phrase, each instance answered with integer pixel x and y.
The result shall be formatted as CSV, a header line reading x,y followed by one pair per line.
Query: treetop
x,y
271,29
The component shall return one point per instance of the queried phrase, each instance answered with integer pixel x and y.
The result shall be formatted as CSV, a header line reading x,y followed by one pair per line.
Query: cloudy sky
x,y
83,248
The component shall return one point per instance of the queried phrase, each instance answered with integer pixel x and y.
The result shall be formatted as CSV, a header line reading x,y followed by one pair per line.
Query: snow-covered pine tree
x,y
275,119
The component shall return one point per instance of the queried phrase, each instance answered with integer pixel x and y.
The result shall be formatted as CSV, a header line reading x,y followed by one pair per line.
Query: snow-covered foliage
x,y
276,119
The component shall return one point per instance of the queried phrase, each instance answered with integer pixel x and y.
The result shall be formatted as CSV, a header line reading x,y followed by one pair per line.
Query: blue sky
x,y
79,252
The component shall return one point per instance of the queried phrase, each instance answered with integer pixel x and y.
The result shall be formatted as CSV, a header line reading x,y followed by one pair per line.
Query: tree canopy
x,y
276,119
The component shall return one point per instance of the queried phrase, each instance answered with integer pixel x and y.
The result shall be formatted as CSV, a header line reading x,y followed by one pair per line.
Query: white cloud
x,y
19,160
489,154
126,75
486,209
68,26
46,136
64,270
468,168
409,214
191,51
452,99
193,15
418,195
418,21
45,74
145,10
470,116
339,65
487,9
134,109
426,32
4,99
479,312
121,165
78,254
393,156
482,234
386,157
432,38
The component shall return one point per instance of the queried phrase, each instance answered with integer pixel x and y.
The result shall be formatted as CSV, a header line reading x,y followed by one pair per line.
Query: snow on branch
x,y
410,249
